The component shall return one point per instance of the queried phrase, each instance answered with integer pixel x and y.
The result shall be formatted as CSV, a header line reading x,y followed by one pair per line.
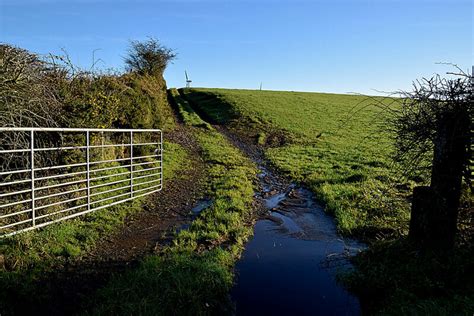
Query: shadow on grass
x,y
209,106
394,278
61,291
179,283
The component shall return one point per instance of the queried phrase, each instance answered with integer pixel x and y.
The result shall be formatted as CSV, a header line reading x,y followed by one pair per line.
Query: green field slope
x,y
334,145
330,142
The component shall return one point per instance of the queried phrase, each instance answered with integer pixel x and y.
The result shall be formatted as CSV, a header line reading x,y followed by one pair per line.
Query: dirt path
x,y
163,212
70,289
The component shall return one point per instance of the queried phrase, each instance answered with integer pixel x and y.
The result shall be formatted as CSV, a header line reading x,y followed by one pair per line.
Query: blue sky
x,y
321,45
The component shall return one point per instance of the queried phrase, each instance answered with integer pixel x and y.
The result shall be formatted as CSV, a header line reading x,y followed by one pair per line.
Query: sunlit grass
x,y
332,143
195,273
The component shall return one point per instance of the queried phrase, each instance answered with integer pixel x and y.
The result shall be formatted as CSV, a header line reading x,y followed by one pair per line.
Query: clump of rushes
x,y
195,273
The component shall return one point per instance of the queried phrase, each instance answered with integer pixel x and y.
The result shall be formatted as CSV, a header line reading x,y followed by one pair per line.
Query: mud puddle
x,y
289,267
199,206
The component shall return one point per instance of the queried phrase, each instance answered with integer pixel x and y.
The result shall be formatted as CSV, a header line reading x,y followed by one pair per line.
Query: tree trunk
x,y
433,223
422,208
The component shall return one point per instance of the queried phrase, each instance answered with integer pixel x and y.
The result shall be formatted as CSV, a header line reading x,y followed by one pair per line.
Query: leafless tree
x,y
28,96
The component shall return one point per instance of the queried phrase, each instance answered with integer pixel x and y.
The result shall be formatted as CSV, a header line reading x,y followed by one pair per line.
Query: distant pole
x,y
188,82
472,77
260,86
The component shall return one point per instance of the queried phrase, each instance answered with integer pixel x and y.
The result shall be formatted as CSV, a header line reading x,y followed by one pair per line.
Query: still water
x,y
290,265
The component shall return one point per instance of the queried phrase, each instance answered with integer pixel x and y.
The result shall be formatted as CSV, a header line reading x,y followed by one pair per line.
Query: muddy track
x,y
71,289
165,211
293,231
248,146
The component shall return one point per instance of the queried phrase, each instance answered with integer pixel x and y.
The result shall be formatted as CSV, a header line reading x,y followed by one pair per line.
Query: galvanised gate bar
x,y
52,174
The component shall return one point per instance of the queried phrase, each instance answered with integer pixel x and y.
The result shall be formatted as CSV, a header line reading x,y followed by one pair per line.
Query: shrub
x,y
148,57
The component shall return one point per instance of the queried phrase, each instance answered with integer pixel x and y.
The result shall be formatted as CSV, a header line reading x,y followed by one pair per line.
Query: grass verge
x,y
393,278
27,257
195,273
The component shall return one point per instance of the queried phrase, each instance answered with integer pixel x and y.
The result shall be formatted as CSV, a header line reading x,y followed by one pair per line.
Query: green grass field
x,y
332,143
335,145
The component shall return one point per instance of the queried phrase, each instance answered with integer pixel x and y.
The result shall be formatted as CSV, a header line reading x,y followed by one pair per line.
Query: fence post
x,y
32,166
88,171
131,164
161,160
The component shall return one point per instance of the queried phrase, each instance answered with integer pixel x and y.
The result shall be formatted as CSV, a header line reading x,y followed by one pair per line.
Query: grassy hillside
x,y
333,144
330,142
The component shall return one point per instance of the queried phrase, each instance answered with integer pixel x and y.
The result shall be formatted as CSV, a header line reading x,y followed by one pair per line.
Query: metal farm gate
x,y
52,174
